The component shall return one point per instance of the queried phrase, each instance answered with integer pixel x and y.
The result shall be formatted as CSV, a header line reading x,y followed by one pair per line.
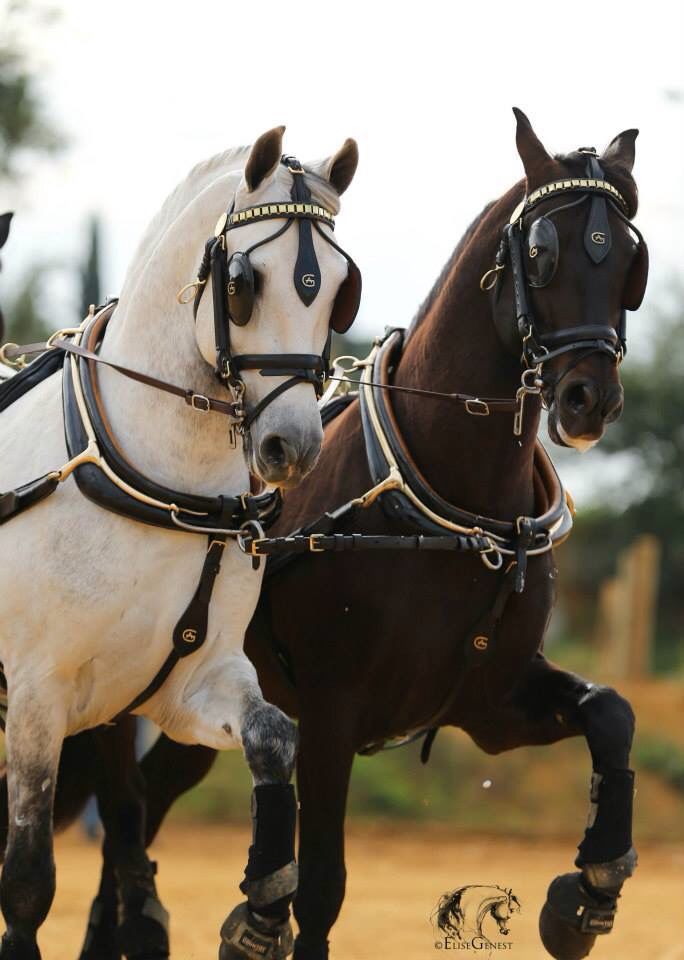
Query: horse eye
x,y
258,282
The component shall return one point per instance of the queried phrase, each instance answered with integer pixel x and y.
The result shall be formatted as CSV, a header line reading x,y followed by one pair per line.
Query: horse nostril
x,y
276,451
580,397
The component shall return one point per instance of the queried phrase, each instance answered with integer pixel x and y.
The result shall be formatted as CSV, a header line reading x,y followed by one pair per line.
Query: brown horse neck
x,y
474,462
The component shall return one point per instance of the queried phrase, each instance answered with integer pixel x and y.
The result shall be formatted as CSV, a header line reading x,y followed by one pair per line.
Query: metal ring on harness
x,y
491,565
246,541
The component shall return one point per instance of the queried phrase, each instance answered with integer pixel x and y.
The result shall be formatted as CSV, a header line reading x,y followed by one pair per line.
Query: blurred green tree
x,y
650,499
24,128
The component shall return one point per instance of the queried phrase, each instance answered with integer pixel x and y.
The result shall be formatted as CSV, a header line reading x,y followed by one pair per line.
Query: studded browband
x,y
583,184
272,211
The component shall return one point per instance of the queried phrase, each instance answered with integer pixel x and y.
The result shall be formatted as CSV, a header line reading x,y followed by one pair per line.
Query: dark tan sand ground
x,y
396,875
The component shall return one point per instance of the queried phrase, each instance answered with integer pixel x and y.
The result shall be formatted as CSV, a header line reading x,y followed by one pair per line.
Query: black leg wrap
x,y
271,873
310,949
609,832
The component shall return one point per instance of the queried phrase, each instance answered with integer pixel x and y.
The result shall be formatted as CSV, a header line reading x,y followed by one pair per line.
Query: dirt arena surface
x,y
396,875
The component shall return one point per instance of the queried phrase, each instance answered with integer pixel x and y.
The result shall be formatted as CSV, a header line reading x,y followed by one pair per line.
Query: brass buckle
x,y
476,407
254,547
196,401
313,543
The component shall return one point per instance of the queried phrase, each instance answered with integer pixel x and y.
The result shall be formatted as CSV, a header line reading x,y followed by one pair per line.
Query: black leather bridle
x,y
520,333
232,278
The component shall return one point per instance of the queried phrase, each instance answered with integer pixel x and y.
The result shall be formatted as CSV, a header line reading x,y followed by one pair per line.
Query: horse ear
x,y
264,157
5,220
339,169
536,160
620,150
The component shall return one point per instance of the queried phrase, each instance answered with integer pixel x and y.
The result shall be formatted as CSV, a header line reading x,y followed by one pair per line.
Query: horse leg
x,y
260,927
324,766
171,769
127,916
549,704
35,729
168,769
74,785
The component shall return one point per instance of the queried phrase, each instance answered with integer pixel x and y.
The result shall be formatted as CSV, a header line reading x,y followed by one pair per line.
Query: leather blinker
x,y
635,287
240,289
542,252
347,301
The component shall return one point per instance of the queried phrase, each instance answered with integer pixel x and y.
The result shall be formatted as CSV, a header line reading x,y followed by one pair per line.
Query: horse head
x,y
575,269
288,286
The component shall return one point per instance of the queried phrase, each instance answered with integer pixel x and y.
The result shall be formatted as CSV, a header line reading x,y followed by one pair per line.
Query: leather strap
x,y
191,630
343,543
197,401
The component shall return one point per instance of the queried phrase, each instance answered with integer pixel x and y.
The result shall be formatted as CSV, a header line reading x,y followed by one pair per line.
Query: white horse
x,y
90,598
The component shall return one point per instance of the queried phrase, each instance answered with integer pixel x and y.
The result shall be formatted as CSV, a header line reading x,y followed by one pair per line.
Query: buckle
x,y
199,402
313,543
477,408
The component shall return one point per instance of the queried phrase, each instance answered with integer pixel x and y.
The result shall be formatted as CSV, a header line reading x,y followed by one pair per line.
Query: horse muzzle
x,y
581,408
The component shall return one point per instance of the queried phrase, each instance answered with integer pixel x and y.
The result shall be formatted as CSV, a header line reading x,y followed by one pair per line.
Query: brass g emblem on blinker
x,y
480,642
189,635
308,280
534,251
598,237
231,288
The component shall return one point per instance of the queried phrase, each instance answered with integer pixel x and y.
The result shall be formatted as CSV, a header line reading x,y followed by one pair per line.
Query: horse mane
x,y
575,163
428,302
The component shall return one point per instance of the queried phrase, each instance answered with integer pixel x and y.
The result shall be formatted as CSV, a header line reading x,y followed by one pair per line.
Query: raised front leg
x,y
549,704
260,927
35,729
323,770
127,918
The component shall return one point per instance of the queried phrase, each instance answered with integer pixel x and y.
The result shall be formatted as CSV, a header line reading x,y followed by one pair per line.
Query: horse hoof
x,y
243,936
145,934
572,917
100,935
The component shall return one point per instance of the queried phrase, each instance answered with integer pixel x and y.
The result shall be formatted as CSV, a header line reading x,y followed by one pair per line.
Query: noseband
x,y
234,288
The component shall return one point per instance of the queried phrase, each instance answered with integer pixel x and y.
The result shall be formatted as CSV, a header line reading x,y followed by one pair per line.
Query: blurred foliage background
x,y
535,790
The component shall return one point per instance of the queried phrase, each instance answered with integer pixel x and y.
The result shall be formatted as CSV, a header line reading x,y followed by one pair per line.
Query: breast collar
x,y
105,476
408,493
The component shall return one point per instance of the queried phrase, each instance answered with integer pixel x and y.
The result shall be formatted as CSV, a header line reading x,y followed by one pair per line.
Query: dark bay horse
x,y
379,645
